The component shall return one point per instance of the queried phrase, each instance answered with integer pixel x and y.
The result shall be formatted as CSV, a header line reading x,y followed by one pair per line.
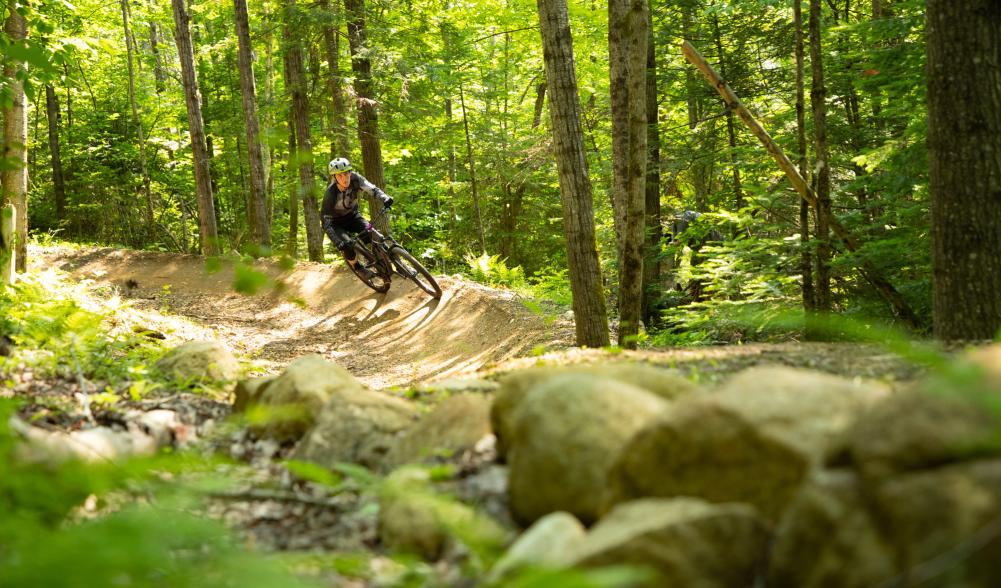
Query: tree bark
x,y
58,185
575,186
304,143
653,232
154,47
627,48
208,232
292,246
806,258
964,138
731,131
368,116
143,166
339,146
257,218
472,173
14,180
818,105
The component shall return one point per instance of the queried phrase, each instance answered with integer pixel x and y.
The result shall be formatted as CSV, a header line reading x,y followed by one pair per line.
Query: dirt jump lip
x,y
398,338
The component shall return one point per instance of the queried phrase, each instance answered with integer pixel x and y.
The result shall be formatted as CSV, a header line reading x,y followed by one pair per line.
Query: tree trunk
x,y
700,167
58,185
340,146
964,137
540,102
806,258
575,187
472,173
208,233
627,49
654,233
731,131
368,117
818,104
144,168
257,218
292,246
154,47
304,143
15,139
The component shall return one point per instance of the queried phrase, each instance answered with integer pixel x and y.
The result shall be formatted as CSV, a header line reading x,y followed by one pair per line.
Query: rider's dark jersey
x,y
337,204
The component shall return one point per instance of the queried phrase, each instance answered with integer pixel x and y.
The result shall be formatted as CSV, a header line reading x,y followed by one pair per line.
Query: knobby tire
x,y
414,271
381,280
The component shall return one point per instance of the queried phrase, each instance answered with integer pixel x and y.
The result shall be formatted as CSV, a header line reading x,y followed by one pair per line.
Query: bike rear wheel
x,y
379,279
408,267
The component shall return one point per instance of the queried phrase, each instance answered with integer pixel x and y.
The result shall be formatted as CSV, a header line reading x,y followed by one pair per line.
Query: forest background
x,y
444,104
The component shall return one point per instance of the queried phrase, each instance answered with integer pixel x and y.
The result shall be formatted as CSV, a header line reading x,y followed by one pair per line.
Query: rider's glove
x,y
388,202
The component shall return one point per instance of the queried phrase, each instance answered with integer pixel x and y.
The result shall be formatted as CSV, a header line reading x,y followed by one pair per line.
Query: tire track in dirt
x,y
393,339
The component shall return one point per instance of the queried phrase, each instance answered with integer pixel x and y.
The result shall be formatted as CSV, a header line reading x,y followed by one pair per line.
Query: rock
x,y
947,514
454,426
547,543
414,519
914,429
564,435
513,388
99,444
688,542
753,440
356,425
200,361
827,538
989,359
289,404
458,386
938,527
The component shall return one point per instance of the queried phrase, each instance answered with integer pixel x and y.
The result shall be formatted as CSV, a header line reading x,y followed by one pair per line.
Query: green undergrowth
x,y
61,328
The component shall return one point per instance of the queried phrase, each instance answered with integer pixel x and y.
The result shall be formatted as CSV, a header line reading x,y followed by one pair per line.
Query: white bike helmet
x,y
338,166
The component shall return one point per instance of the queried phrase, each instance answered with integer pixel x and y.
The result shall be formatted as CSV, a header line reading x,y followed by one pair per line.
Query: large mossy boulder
x,y
685,541
662,382
941,526
564,435
200,361
454,426
753,440
284,407
828,538
356,425
918,428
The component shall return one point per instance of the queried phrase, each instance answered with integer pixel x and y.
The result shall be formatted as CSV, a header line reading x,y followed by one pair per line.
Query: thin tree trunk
x,y
144,168
654,232
257,218
806,258
339,146
575,187
58,185
964,137
368,117
292,246
472,173
15,139
738,196
208,233
627,48
699,168
304,144
818,104
154,46
540,102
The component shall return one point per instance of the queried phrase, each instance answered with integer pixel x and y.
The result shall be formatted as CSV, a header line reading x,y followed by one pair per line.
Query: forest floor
x,y
403,338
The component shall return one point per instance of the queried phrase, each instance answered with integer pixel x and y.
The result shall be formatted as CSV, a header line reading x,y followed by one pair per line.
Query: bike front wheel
x,y
408,266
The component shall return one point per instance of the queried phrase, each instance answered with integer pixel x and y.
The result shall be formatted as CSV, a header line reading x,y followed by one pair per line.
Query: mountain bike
x,y
384,256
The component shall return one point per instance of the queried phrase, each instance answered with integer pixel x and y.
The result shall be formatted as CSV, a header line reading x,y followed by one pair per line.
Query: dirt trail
x,y
393,339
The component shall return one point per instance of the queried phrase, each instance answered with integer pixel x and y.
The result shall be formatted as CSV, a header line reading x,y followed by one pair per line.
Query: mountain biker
x,y
340,213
